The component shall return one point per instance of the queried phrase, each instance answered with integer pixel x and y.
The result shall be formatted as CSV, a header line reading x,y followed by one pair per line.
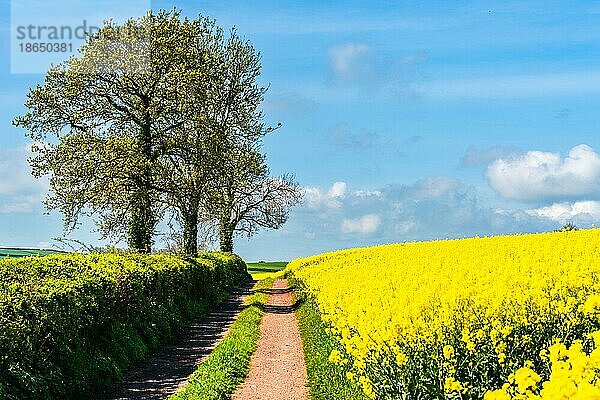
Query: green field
x,y
23,252
261,270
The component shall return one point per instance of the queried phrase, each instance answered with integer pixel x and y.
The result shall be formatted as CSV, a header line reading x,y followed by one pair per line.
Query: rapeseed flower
x,y
499,301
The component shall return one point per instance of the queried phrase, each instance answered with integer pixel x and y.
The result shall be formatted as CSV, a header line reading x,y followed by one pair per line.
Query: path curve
x,y
167,370
277,368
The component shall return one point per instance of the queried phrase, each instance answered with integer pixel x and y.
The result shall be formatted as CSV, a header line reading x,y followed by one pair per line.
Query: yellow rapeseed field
x,y
510,317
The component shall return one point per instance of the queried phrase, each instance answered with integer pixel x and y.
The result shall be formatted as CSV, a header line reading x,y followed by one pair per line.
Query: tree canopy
x,y
158,115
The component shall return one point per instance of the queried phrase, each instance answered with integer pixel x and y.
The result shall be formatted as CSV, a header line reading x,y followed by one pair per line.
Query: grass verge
x,y
228,364
327,381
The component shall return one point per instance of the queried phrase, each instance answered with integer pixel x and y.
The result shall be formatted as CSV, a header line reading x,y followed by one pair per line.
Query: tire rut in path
x,y
277,368
167,369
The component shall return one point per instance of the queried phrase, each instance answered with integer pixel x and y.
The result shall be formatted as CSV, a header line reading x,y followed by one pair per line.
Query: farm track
x,y
167,370
277,368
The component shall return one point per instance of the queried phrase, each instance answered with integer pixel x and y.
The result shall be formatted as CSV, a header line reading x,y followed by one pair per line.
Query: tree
x,y
245,199
259,203
240,196
183,178
227,116
113,112
158,115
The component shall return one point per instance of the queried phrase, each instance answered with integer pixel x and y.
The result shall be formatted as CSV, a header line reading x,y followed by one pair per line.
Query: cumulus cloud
x,y
582,211
538,175
365,225
404,227
435,186
349,60
310,235
317,199
428,188
430,208
338,189
367,193
20,192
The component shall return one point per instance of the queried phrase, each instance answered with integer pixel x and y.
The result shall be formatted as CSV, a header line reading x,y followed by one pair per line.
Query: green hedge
x,y
70,323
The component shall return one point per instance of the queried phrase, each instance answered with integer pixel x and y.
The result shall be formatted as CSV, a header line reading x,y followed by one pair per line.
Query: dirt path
x,y
277,369
168,369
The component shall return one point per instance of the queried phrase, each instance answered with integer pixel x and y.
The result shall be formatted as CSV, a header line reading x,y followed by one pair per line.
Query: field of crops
x,y
262,270
512,317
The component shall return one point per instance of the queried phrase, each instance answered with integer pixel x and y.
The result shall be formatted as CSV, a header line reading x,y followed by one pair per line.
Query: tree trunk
x,y
141,223
190,230
141,226
226,236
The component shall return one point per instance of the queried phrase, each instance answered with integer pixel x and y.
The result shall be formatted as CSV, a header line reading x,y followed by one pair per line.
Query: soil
x,y
277,368
167,370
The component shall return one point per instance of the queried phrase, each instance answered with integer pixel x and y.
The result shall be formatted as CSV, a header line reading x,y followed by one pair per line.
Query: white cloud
x,y
316,198
20,192
338,189
435,186
349,60
563,212
310,235
431,208
358,65
539,175
365,225
367,193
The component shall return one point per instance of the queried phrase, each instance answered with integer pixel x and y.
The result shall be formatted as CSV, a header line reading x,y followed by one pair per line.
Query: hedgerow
x,y
70,323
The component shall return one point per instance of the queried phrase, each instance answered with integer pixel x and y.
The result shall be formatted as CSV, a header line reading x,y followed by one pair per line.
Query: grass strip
x,y
327,381
228,364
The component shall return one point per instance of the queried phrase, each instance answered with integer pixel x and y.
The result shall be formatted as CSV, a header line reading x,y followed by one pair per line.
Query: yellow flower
x,y
502,297
401,358
496,395
452,385
558,351
595,336
448,352
501,358
526,378
592,304
335,357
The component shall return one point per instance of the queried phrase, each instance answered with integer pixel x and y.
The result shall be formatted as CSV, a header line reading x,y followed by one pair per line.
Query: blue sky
x,y
401,120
